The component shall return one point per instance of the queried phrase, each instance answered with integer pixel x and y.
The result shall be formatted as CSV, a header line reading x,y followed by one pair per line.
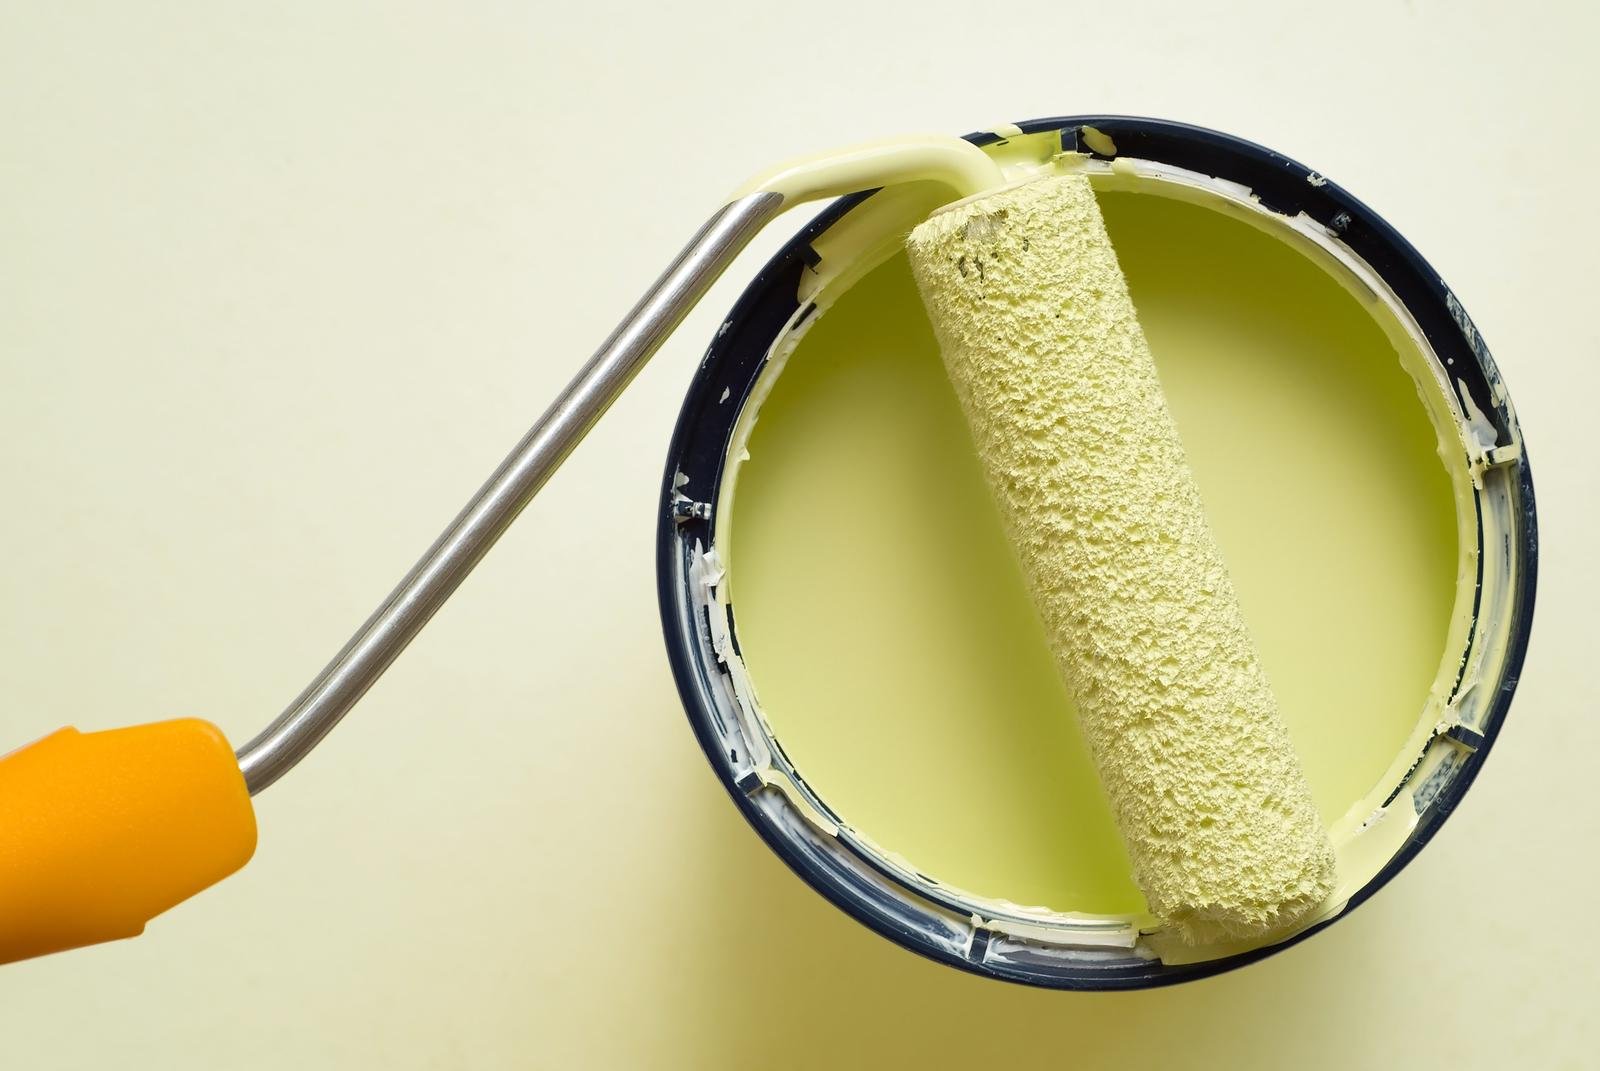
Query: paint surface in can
x,y
888,632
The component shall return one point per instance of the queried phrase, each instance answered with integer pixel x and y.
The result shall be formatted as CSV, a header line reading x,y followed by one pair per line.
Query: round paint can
x,y
1360,459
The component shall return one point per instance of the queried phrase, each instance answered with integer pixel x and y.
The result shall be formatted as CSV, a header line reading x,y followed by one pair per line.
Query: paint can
x,y
1458,385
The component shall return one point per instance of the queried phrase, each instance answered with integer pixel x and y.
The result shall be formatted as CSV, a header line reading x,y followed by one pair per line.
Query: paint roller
x,y
100,832
1043,346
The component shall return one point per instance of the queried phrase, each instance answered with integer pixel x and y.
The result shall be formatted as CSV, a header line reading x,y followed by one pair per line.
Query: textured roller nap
x,y
1042,344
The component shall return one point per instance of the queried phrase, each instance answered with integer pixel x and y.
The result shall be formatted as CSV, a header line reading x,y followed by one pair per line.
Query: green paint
x,y
886,626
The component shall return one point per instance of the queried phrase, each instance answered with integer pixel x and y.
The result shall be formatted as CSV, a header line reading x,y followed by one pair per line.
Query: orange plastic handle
x,y
102,832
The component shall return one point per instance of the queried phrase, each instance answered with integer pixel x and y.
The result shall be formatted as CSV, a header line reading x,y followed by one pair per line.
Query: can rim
x,y
698,446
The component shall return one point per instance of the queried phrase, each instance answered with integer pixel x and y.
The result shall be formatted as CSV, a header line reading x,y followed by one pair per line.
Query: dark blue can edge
x,y
768,302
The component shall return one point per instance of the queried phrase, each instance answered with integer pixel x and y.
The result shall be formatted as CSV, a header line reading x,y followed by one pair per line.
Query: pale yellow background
x,y
280,283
